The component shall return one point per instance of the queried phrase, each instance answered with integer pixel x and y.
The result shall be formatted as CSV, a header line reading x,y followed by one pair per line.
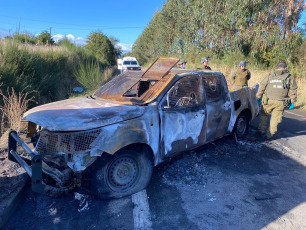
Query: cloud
x,y
70,37
78,41
82,41
57,37
125,47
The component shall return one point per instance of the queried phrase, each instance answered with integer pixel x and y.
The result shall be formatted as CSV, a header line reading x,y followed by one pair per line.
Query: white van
x,y
128,63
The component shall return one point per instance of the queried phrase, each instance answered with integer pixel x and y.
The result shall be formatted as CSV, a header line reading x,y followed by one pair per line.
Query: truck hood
x,y
81,114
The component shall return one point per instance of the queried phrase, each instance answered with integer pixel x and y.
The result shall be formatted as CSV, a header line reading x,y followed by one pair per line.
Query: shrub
x,y
24,38
89,75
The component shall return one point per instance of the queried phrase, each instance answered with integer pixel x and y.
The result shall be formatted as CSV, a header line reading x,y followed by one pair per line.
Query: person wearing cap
x,y
241,77
204,62
182,63
276,91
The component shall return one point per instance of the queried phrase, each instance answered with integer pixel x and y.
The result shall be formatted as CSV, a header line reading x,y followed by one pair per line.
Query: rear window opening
x,y
139,88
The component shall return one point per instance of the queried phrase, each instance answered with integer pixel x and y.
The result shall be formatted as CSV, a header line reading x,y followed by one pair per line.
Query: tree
x,y
115,43
261,30
45,38
102,47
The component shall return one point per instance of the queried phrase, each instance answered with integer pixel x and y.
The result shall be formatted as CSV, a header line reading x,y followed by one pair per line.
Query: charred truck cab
x,y
132,123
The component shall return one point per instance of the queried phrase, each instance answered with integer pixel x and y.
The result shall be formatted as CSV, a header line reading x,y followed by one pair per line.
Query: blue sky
x,y
122,19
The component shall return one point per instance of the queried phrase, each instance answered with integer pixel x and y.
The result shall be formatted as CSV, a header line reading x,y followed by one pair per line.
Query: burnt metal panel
x,y
218,105
118,85
247,98
81,114
157,88
125,87
144,129
182,129
183,117
160,68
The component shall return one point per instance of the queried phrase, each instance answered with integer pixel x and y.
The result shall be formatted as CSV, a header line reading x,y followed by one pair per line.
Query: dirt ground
x,y
249,184
11,174
12,181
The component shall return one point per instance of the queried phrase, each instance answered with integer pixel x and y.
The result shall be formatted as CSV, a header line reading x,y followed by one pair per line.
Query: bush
x,y
89,75
24,38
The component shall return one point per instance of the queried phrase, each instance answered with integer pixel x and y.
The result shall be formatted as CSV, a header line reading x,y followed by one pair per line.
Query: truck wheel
x,y
122,174
241,125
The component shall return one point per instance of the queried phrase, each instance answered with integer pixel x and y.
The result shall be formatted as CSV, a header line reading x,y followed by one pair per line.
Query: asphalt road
x,y
247,184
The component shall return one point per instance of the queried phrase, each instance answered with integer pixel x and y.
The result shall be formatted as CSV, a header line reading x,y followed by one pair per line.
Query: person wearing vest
x,y
276,91
241,77
204,62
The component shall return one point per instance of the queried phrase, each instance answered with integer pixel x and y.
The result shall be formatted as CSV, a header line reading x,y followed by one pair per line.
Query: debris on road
x,y
83,202
265,198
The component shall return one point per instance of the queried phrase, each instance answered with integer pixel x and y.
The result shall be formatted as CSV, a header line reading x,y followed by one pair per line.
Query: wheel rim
x,y
241,125
122,173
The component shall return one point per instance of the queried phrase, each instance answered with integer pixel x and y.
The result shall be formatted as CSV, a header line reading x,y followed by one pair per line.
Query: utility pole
x,y
50,36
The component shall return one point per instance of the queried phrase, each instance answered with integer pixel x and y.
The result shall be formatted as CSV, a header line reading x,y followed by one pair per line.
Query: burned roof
x,y
138,87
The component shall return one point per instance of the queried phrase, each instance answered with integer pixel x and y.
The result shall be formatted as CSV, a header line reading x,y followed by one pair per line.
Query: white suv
x,y
128,63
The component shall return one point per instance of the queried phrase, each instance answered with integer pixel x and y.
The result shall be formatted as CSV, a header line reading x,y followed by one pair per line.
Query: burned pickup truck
x,y
132,123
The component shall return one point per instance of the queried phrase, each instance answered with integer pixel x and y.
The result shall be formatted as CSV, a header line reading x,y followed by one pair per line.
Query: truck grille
x,y
132,68
69,142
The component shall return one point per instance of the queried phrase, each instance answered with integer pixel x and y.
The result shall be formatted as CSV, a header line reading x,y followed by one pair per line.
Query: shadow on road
x,y
229,185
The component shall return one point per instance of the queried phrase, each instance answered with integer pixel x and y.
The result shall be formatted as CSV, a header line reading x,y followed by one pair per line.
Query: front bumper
x,y
35,168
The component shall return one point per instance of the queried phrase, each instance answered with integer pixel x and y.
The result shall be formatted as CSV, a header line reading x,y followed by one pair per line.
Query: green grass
x,y
50,71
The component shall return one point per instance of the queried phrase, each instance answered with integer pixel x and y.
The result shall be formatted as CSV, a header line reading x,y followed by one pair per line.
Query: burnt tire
x,y
241,125
122,174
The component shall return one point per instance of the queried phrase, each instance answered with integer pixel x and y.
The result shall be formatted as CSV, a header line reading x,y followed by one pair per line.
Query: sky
x,y
122,19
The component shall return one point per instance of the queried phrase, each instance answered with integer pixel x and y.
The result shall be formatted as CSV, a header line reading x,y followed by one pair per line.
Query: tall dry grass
x,y
13,108
35,48
301,101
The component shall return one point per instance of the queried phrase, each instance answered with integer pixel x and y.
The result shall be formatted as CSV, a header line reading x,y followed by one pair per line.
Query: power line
x,y
3,29
102,27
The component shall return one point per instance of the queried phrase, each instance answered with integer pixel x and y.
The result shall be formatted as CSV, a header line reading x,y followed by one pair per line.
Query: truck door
x,y
183,116
218,105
